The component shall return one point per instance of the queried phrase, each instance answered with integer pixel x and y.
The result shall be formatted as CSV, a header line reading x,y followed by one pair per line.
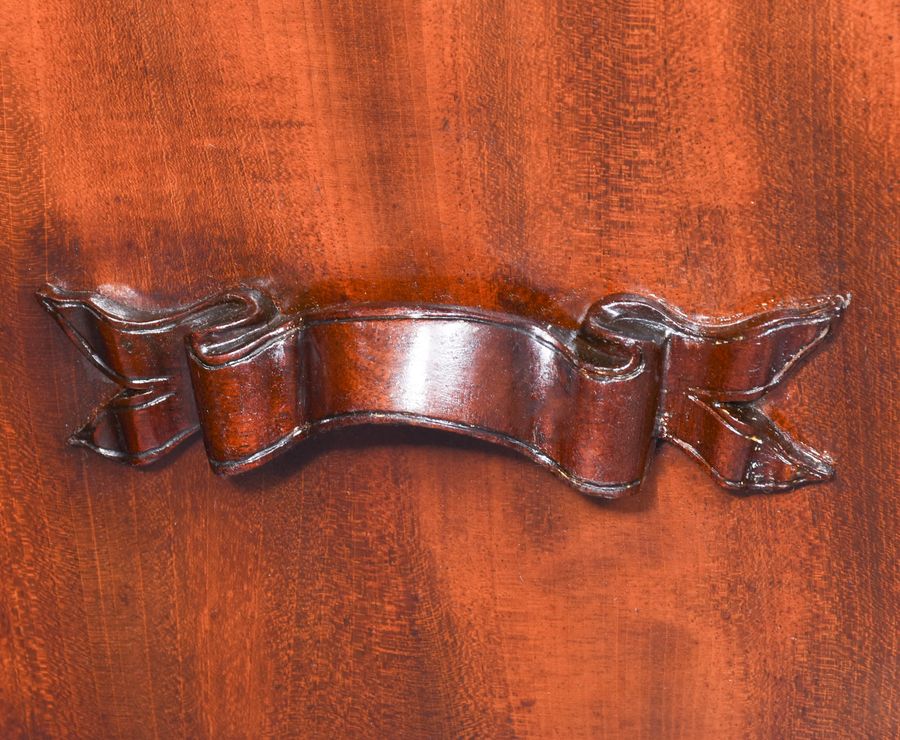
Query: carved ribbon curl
x,y
587,404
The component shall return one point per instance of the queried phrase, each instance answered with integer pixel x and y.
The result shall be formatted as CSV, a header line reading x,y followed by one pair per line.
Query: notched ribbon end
x,y
136,427
97,435
101,434
717,373
776,462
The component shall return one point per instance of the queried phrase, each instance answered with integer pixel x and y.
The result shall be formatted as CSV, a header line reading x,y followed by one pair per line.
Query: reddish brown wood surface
x,y
525,157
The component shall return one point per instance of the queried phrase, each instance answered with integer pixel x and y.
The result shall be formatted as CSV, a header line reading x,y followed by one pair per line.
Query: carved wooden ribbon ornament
x,y
587,404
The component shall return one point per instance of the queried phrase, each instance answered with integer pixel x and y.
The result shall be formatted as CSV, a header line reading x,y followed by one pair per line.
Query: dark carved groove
x,y
586,404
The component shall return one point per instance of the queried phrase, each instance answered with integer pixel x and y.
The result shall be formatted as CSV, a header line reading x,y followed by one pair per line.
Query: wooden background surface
x,y
529,156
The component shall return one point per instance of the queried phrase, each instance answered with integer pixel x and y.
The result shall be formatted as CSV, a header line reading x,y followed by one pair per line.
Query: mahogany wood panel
x,y
523,157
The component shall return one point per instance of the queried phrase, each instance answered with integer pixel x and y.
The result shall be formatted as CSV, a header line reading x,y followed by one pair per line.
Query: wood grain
x,y
523,157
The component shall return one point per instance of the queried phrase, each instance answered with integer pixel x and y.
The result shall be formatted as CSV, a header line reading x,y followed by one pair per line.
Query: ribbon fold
x,y
588,404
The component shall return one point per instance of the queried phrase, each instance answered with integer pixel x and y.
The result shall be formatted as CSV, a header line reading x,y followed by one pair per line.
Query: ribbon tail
x,y
714,371
144,353
745,450
712,413
137,427
98,328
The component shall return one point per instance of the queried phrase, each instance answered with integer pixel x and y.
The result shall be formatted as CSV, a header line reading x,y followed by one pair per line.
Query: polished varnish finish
x,y
585,404
524,157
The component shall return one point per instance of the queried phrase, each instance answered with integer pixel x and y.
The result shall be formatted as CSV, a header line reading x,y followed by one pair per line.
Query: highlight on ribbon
x,y
588,404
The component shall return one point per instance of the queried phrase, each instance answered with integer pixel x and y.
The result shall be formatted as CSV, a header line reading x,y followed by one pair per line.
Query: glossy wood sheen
x,y
525,157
